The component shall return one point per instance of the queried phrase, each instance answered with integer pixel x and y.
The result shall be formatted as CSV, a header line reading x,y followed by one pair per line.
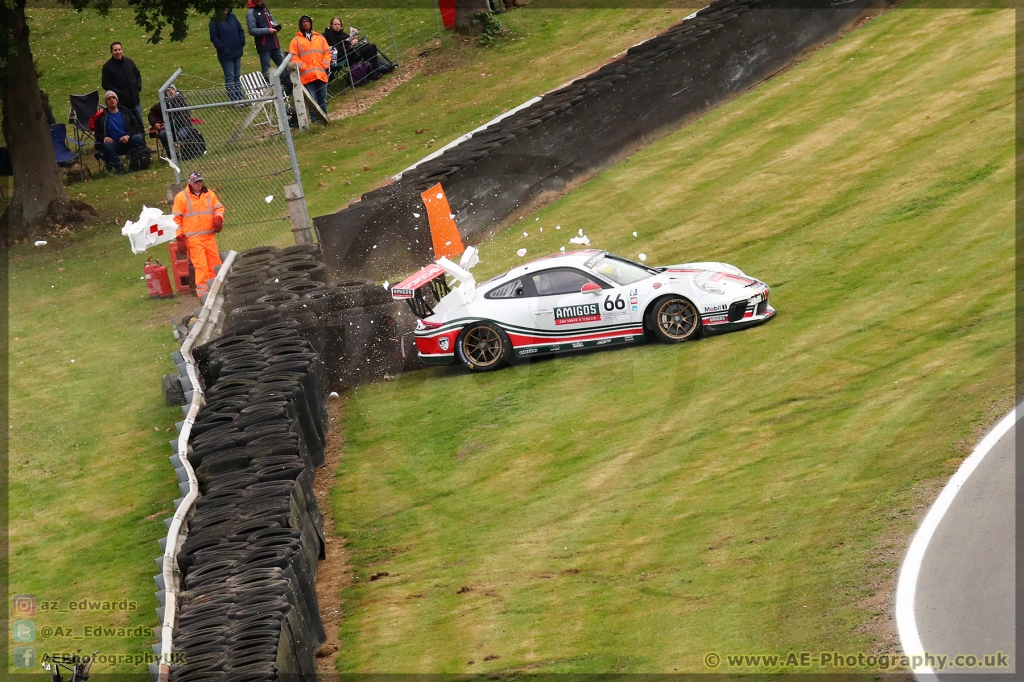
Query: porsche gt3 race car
x,y
573,301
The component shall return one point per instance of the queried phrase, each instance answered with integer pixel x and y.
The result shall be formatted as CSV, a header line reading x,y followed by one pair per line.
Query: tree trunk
x,y
39,198
465,10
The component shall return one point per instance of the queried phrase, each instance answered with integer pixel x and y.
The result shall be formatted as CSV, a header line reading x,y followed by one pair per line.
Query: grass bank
x,y
632,511
89,479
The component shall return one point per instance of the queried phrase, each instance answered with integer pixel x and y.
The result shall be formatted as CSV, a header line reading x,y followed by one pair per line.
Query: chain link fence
x,y
398,33
241,147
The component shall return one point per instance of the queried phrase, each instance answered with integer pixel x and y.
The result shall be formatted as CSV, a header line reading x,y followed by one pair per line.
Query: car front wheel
x,y
483,347
673,319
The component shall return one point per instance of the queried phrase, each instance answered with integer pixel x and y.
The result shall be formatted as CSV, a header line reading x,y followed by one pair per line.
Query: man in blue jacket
x,y
227,36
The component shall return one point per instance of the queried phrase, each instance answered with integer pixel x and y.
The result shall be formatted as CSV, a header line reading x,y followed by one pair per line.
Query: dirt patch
x,y
345,105
333,575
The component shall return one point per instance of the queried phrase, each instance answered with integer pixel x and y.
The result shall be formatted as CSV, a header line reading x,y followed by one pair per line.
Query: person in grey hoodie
x,y
227,36
264,29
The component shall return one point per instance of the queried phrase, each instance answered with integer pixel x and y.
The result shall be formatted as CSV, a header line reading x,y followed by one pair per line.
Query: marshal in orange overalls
x,y
194,214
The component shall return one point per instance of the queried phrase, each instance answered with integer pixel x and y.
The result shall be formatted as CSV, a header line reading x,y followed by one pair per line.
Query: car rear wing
x,y
422,290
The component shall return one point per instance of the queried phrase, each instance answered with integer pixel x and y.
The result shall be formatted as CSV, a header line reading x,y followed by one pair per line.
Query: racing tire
x,y
673,319
483,347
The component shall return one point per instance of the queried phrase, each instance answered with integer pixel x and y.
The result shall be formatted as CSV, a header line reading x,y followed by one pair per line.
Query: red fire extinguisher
x,y
157,281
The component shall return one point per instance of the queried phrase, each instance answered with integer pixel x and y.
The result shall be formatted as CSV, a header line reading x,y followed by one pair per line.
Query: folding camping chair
x,y
255,86
83,107
66,159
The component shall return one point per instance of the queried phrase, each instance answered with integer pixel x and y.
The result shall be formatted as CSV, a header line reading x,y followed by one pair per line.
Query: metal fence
x,y
399,34
243,148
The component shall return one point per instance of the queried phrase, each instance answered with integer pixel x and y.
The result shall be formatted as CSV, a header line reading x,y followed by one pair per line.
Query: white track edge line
x,y
906,587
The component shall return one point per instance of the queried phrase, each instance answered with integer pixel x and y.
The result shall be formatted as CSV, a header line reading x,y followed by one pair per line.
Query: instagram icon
x,y
24,605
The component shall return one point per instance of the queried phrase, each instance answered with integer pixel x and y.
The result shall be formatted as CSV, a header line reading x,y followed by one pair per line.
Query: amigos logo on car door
x,y
578,314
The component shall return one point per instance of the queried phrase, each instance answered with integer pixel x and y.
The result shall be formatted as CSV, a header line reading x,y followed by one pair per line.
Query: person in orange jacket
x,y
311,51
199,215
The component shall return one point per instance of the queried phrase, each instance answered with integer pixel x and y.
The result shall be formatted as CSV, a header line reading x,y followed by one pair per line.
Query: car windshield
x,y
622,271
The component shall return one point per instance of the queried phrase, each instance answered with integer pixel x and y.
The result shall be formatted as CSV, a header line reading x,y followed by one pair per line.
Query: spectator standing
x,y
263,29
313,54
200,217
227,36
117,132
122,76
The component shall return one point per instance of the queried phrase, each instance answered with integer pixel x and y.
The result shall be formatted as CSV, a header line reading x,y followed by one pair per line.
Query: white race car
x,y
572,301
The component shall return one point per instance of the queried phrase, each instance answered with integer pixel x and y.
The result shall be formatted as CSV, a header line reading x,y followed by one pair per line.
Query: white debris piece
x,y
440,195
581,232
584,240
634,234
334,394
268,198
41,242
387,285
153,227
542,229
562,249
558,227
526,234
415,215
521,252
643,257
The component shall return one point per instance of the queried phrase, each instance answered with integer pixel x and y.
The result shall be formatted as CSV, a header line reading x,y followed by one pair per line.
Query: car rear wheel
x,y
483,347
673,319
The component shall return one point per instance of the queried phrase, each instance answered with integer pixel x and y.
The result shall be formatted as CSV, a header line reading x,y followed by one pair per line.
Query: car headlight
x,y
709,287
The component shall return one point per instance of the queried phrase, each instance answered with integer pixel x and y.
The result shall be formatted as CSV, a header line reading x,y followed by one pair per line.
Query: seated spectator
x,y
118,131
350,46
183,119
157,129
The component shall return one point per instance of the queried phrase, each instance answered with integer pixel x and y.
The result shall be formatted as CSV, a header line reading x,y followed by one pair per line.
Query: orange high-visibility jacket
x,y
314,57
194,214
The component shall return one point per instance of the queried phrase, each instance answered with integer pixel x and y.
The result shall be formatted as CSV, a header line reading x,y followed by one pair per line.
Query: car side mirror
x,y
591,288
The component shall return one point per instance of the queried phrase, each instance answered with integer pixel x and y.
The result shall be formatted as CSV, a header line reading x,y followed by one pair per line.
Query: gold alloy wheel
x,y
483,346
677,319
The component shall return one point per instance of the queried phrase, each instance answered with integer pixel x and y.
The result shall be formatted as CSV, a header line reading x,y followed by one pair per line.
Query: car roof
x,y
568,259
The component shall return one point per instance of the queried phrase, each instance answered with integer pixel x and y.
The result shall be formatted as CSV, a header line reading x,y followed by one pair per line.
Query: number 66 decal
x,y
617,304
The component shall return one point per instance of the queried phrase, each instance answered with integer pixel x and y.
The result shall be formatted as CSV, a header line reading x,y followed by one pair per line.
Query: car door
x,y
561,304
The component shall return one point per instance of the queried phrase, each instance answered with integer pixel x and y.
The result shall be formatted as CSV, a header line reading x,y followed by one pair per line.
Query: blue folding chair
x,y
66,159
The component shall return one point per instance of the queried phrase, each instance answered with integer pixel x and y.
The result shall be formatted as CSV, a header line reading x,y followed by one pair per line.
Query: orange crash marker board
x,y
443,231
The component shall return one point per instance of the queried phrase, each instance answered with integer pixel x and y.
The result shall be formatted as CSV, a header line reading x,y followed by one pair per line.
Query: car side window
x,y
513,289
561,281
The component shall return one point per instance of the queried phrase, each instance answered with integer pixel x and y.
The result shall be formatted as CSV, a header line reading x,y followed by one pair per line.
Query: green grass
x,y
630,511
89,478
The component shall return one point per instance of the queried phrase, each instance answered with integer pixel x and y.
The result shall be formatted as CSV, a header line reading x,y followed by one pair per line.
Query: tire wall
x,y
238,583
570,133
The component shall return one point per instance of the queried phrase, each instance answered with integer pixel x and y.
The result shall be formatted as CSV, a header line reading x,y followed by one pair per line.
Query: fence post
x,y
297,99
351,81
295,198
169,128
297,212
172,191
394,43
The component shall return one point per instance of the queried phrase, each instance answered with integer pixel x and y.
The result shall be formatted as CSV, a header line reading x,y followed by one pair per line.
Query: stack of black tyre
x,y
350,323
483,143
248,610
